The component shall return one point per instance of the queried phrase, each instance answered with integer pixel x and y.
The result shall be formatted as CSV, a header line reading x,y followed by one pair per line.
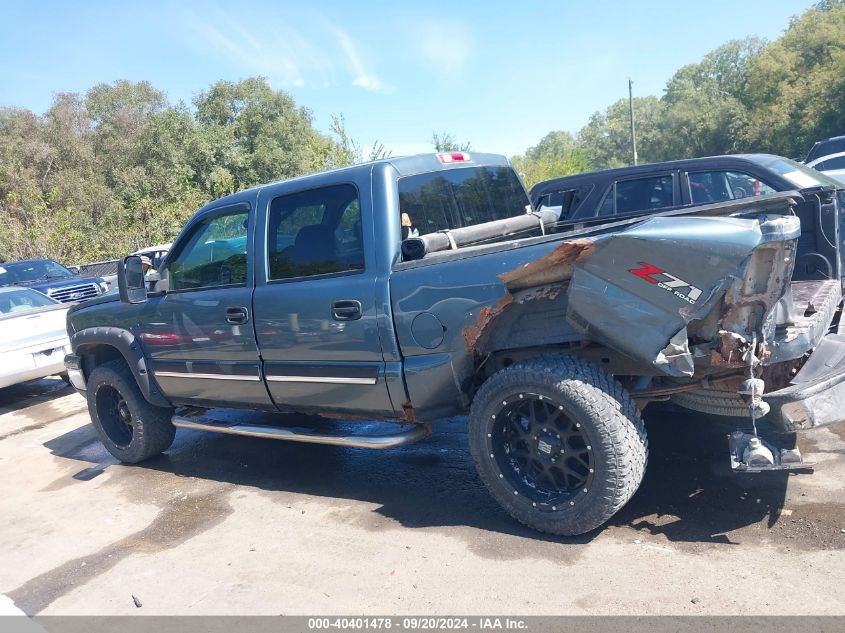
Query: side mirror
x,y
130,280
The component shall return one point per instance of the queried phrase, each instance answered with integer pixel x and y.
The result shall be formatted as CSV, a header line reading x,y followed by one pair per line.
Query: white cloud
x,y
285,55
445,45
282,54
362,77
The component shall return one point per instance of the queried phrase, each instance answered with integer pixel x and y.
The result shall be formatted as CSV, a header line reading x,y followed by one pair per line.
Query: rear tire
x,y
558,442
129,427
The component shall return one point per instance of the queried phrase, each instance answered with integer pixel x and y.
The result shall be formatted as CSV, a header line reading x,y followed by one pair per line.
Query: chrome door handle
x,y
237,315
346,310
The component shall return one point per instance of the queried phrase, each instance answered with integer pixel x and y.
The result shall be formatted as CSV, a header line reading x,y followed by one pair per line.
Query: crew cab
x,y
412,289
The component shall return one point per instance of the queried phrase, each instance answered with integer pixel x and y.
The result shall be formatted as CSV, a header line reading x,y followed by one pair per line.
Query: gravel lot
x,y
230,525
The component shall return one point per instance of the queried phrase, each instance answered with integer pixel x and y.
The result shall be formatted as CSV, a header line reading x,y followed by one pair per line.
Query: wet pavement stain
x,y
24,429
689,497
40,416
177,522
80,444
28,395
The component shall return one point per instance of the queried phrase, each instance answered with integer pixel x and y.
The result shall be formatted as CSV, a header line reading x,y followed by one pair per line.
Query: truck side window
x,y
215,254
640,194
643,194
567,199
716,186
606,207
315,232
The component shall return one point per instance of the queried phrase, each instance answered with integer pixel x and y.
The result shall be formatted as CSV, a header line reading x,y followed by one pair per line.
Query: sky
x,y
498,75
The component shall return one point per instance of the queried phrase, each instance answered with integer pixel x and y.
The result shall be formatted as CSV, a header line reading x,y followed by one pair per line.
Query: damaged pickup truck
x,y
412,289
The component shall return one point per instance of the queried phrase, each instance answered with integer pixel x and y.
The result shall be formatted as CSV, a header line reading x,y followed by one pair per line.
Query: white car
x,y
33,335
155,253
833,165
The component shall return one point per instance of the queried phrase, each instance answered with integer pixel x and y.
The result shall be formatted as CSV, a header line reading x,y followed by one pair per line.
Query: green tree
x,y
103,174
607,136
557,154
796,85
705,104
445,142
259,134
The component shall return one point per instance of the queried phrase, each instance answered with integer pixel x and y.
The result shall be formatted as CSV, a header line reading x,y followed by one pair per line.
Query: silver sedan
x,y
33,335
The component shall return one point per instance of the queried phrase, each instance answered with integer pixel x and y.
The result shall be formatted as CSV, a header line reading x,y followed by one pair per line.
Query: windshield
x,y
23,300
455,198
799,175
13,273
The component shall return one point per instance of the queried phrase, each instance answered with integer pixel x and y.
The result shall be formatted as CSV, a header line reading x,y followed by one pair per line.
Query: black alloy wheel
x,y
541,451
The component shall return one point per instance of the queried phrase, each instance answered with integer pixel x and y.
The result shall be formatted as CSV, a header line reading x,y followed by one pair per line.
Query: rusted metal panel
x,y
556,266
636,291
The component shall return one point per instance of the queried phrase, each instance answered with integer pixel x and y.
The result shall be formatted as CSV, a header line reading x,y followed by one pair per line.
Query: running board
x,y
391,440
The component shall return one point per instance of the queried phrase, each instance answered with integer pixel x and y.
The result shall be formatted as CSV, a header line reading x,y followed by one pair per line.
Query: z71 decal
x,y
667,281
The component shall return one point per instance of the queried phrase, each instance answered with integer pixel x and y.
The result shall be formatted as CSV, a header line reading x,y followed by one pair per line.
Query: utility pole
x,y
631,104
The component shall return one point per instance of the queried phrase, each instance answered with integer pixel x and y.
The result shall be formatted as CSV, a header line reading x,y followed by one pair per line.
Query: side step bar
x,y
414,434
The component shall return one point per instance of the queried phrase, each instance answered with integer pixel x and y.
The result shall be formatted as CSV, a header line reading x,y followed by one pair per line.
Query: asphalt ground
x,y
236,525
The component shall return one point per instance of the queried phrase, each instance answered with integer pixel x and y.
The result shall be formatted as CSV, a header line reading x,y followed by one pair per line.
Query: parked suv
x,y
51,278
593,198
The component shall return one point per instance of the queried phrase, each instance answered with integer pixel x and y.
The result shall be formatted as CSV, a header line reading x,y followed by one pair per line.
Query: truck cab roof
x,y
403,166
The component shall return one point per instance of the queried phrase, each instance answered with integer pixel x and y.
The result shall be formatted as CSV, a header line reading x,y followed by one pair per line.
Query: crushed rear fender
x,y
647,291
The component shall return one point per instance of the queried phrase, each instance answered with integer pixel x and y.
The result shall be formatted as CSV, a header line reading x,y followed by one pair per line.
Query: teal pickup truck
x,y
417,288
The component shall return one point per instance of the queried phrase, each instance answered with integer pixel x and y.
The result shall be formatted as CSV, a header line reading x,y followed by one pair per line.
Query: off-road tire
x,y
609,419
151,431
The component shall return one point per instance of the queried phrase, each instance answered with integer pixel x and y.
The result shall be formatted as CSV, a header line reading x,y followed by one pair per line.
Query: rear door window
x,y
639,195
316,232
831,163
716,186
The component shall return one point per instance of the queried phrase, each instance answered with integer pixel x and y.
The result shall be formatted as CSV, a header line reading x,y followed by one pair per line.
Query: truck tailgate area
x,y
815,396
803,318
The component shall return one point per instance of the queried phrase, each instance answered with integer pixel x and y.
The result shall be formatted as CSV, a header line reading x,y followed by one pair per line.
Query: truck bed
x,y
804,317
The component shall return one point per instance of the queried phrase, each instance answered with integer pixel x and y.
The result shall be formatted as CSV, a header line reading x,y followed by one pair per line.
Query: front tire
x,y
558,442
129,427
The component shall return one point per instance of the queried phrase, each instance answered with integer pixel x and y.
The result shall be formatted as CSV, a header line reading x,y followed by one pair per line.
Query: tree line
x,y
119,168
103,173
746,96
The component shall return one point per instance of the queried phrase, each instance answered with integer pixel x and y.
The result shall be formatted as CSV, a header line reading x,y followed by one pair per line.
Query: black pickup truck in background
x,y
417,288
